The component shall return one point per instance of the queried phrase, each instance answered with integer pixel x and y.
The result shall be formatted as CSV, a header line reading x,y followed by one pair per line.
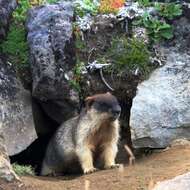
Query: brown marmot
x,y
87,140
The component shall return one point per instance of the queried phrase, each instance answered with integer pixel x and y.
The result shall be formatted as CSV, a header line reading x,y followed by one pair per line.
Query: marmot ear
x,y
88,102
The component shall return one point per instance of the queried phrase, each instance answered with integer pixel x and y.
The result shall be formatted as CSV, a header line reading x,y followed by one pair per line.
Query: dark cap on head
x,y
104,103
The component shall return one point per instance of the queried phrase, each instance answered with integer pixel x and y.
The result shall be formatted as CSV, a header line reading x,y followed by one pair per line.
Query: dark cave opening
x,y
45,128
125,132
33,155
125,119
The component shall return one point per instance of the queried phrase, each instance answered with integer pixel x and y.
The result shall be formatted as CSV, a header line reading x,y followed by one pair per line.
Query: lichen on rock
x,y
52,58
6,9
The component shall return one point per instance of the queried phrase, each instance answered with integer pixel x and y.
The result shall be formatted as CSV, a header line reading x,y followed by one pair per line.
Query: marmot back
x,y
91,138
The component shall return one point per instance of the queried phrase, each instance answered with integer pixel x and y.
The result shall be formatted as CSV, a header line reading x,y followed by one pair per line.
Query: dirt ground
x,y
146,172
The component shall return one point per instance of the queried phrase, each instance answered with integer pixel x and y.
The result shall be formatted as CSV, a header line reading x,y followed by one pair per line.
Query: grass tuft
x,y
22,170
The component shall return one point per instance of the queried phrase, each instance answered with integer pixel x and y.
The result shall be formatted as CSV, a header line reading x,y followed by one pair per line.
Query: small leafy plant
x,y
168,10
23,170
16,46
156,29
42,2
75,82
144,3
79,43
83,7
127,54
52,1
19,14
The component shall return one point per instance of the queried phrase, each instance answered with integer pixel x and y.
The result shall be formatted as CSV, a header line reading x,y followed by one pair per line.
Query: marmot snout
x,y
104,104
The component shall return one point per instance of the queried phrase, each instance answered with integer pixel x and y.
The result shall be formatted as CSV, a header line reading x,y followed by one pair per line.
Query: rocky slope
x,y
161,108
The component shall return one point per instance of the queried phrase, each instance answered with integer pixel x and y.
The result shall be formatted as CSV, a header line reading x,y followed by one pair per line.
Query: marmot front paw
x,y
112,166
89,170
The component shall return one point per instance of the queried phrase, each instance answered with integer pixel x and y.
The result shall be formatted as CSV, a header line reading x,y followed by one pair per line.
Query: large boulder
x,y
52,58
15,111
6,9
160,111
181,182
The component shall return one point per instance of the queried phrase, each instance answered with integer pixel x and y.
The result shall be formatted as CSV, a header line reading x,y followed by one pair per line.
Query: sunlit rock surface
x,y
52,59
16,117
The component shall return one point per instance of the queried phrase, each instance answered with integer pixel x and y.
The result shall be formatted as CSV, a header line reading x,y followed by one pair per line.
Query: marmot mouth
x,y
114,117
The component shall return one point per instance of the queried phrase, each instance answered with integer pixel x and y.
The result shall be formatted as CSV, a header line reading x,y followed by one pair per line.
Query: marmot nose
x,y
116,112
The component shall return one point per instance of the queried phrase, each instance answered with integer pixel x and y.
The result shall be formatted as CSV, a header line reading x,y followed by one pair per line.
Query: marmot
x,y
87,140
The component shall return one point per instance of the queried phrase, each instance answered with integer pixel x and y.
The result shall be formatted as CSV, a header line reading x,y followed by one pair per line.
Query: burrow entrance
x,y
45,128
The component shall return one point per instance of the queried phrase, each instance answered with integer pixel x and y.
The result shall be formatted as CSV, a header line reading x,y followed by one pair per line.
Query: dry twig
x,y
131,155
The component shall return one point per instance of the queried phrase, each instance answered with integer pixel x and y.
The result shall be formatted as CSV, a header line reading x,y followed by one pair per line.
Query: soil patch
x,y
147,170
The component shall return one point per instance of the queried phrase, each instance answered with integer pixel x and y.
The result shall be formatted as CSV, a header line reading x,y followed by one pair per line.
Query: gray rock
x,y
15,111
160,111
52,58
6,171
181,182
161,108
6,9
182,34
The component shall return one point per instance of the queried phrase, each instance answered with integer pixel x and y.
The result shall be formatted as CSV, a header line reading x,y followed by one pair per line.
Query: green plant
x,y
156,29
82,7
77,71
79,42
15,45
41,2
19,14
75,85
168,10
144,3
127,54
52,1
23,170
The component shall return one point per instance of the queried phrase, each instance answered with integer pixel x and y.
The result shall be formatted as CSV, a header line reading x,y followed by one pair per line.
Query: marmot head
x,y
105,105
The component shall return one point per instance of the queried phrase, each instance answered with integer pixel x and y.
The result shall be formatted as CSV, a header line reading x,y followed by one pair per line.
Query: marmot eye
x,y
101,106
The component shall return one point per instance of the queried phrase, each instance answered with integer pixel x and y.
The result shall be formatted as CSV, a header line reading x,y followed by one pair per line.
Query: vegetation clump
x,y
168,10
19,14
16,45
77,77
93,7
124,53
23,170
144,3
157,30
86,7
127,54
